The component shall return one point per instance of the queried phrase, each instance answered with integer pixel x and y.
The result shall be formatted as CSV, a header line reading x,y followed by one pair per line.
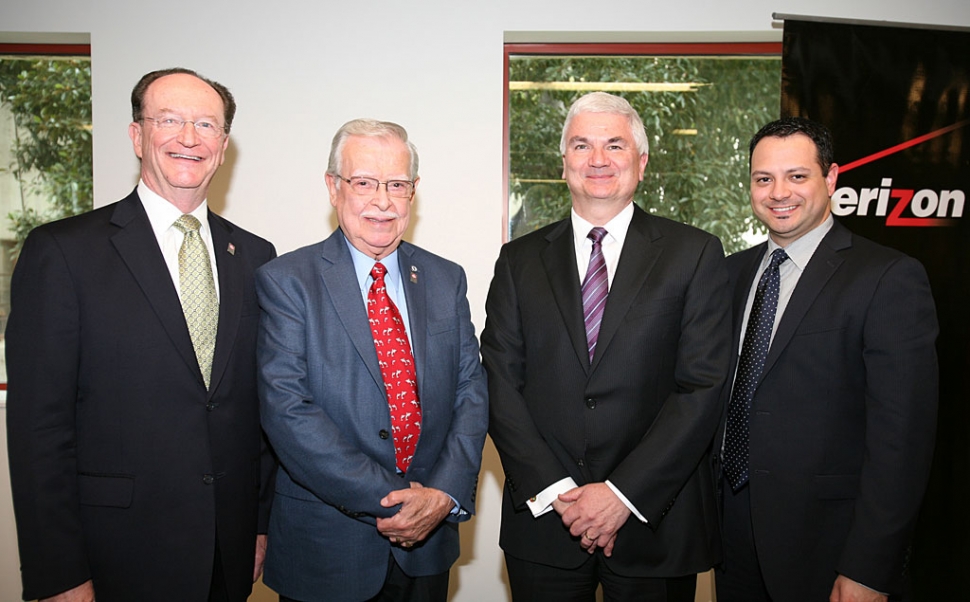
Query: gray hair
x,y
601,102
369,127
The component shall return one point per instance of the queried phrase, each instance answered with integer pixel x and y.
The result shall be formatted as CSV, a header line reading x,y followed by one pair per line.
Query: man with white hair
x,y
606,347
372,391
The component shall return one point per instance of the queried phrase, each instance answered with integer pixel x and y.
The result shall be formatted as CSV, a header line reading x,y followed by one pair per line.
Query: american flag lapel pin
x,y
232,249
414,274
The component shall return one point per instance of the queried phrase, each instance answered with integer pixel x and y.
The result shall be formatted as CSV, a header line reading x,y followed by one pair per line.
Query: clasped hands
x,y
422,509
594,514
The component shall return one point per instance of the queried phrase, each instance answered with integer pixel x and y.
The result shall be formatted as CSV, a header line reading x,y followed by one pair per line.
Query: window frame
x,y
606,49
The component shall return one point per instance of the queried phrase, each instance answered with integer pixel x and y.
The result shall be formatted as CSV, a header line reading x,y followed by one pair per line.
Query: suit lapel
x,y
340,282
136,244
230,296
416,294
639,254
823,264
559,260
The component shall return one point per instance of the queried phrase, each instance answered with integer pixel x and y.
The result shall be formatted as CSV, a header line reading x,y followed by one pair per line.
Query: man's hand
x,y
81,593
260,556
422,509
560,506
847,590
595,515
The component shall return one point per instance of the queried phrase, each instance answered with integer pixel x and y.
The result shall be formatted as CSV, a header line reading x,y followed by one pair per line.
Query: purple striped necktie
x,y
596,287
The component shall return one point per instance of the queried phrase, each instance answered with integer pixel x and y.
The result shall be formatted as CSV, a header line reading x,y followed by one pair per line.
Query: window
x,y
700,103
45,146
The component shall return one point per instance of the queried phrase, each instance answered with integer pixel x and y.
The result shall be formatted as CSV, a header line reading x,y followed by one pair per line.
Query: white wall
x,y
301,69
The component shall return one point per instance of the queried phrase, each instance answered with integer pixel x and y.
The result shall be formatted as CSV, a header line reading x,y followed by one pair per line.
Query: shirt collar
x,y
162,214
615,228
363,264
801,250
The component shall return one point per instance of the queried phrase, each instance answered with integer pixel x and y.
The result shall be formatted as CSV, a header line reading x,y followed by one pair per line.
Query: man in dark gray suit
x,y
603,409
828,436
136,457
372,392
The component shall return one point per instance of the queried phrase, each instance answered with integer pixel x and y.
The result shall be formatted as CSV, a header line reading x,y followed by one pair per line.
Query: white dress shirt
x,y
162,216
611,246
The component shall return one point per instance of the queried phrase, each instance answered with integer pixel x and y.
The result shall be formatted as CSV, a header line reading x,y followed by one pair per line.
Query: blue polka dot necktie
x,y
754,350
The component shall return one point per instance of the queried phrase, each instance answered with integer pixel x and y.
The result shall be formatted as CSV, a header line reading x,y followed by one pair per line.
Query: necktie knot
x,y
778,257
597,235
187,223
377,272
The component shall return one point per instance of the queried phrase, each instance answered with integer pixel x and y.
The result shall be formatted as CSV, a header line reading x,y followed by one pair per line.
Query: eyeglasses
x,y
401,189
171,124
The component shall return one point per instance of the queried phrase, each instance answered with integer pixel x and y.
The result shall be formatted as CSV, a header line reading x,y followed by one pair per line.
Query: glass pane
x,y
699,112
45,153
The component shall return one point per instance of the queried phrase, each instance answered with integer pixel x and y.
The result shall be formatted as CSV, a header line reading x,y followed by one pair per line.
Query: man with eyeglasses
x,y
372,392
136,456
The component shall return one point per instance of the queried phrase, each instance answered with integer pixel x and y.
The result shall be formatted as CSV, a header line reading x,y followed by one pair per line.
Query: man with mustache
x,y
372,392
136,459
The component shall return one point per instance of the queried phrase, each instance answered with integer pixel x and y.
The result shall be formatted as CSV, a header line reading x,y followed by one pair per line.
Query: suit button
x,y
590,403
581,462
208,479
211,406
384,434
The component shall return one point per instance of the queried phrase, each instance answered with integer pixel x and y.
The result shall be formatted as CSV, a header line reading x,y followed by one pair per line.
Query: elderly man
x,y
135,449
831,415
606,346
372,392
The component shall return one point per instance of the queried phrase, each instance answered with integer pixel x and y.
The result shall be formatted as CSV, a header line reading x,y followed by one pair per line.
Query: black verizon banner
x,y
897,100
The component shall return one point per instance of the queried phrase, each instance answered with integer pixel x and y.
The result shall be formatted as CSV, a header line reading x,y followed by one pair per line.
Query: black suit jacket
x,y
123,466
642,416
843,420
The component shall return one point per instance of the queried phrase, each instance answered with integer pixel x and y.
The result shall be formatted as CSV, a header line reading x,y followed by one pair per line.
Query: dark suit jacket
x,y
123,466
642,416
326,413
843,420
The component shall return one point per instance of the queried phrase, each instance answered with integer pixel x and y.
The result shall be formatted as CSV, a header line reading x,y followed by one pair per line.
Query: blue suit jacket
x,y
325,412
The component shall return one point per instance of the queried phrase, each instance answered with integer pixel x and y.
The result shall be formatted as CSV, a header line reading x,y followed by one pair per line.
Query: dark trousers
x,y
532,582
399,587
739,578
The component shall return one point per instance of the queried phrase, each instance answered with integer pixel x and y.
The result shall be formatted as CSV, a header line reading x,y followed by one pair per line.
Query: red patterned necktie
x,y
397,368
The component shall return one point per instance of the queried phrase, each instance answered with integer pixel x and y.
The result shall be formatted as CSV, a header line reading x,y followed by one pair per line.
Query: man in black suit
x,y
136,456
829,436
603,410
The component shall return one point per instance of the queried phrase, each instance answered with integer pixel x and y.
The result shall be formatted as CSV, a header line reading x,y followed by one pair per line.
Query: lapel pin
x,y
232,249
414,274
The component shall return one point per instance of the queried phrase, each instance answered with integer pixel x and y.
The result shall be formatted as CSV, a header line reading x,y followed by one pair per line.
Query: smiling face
x,y
178,165
602,165
373,222
789,193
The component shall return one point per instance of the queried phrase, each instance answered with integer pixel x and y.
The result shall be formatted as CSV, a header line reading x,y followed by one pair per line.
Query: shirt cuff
x,y
542,503
456,509
626,502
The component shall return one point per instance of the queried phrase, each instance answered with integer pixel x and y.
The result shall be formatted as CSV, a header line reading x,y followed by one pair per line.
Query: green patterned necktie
x,y
197,291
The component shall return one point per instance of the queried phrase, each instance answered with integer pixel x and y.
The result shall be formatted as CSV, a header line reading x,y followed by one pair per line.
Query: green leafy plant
x,y
50,100
698,169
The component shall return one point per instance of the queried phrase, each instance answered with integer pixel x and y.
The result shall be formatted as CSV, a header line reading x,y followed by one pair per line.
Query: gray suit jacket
x,y
325,412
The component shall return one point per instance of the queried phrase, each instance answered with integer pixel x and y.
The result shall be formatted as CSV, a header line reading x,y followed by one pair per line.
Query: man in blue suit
x,y
361,512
